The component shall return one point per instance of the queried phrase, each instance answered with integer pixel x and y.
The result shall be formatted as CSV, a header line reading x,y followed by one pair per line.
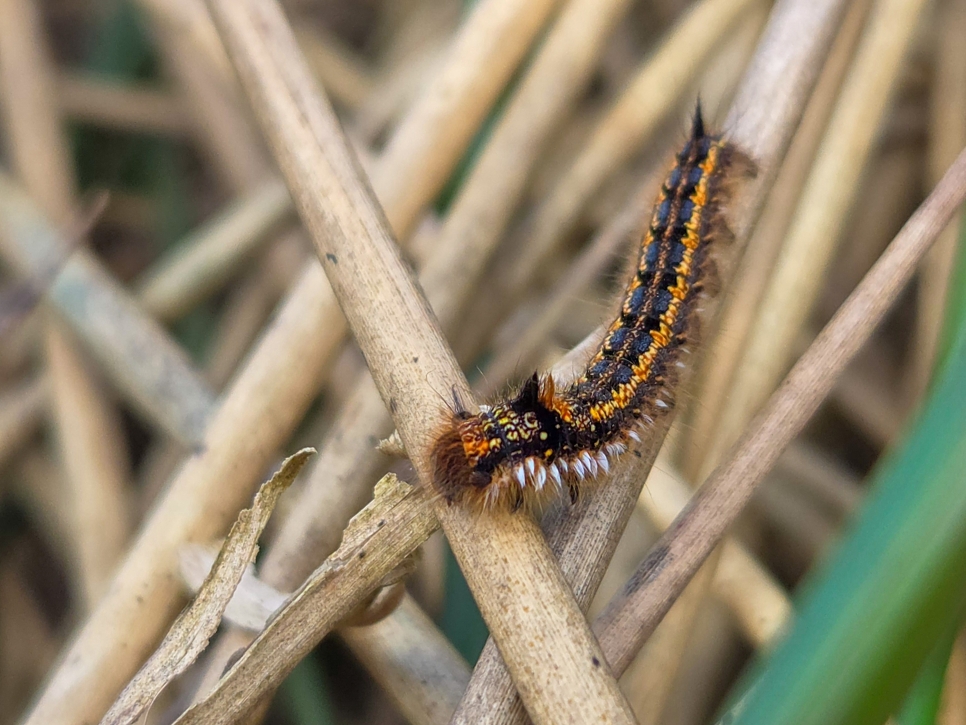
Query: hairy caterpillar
x,y
541,441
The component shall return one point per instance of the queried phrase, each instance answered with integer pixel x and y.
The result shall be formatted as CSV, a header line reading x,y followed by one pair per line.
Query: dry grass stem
x,y
413,662
512,146
631,616
255,416
487,199
250,304
200,264
651,675
717,364
606,245
392,526
191,631
758,602
91,99
97,473
340,482
93,454
860,92
344,75
490,45
825,201
650,98
411,365
947,135
22,407
37,150
144,363
220,121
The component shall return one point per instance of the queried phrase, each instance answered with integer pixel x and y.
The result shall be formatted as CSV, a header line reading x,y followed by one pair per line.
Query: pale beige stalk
x,y
650,98
22,407
505,559
190,632
344,75
760,604
340,481
821,212
99,507
207,258
472,77
947,134
716,366
427,675
220,120
142,361
123,107
808,246
93,451
255,417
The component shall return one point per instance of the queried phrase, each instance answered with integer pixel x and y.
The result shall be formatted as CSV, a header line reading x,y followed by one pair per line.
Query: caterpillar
x,y
541,442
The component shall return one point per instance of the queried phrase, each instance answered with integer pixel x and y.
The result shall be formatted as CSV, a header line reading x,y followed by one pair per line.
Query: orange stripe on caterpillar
x,y
544,442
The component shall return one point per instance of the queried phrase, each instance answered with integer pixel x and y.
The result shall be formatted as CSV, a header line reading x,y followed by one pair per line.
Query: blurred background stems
x,y
877,620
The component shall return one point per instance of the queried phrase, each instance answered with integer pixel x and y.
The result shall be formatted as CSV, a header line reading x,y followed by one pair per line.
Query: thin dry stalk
x,y
488,198
99,505
824,478
645,680
425,676
39,486
825,201
779,79
208,257
37,150
255,417
250,304
411,364
94,455
947,134
758,602
868,399
796,279
376,542
190,18
340,482
633,614
91,99
145,364
464,86
219,118
22,407
344,75
586,267
717,364
649,99
191,631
